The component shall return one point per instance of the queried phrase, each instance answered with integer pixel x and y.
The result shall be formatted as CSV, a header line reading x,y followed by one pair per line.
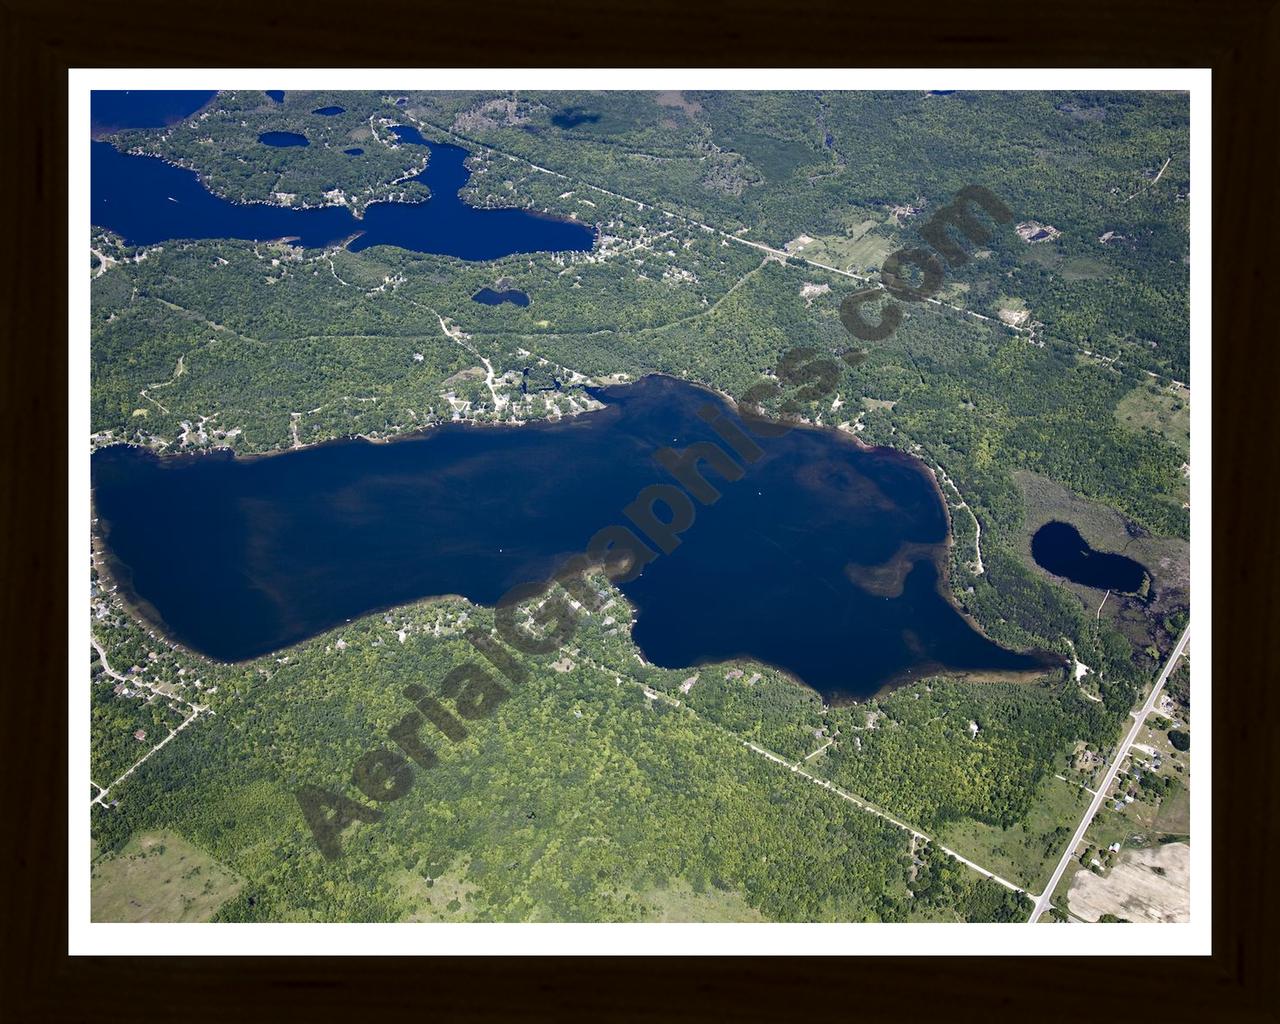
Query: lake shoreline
x,y
941,562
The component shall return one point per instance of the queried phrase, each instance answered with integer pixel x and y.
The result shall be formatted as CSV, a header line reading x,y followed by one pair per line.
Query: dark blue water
x,y
112,110
571,117
276,95
147,200
329,111
409,135
820,560
489,297
354,151
1059,548
283,139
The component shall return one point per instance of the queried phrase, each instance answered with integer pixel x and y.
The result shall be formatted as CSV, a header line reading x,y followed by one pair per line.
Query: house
x,y
1114,847
140,735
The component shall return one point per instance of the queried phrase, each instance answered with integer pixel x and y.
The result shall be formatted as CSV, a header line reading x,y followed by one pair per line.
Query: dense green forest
x,y
598,789
221,143
784,164
580,799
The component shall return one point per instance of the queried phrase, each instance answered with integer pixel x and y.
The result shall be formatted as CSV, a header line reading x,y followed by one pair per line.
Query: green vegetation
x,y
221,143
575,800
583,798
1162,410
1027,851
158,876
782,164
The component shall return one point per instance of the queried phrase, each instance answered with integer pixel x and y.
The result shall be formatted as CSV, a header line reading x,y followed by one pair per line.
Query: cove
x,y
1058,548
822,559
146,201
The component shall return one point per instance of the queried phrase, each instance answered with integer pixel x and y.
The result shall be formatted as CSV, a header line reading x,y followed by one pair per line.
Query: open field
x,y
866,245
680,903
159,876
1174,816
447,898
1146,886
1025,853
1165,410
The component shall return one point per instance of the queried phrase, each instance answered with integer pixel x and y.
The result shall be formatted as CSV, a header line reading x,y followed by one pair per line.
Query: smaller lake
x,y
146,200
1058,548
276,95
354,151
571,117
283,139
489,297
329,111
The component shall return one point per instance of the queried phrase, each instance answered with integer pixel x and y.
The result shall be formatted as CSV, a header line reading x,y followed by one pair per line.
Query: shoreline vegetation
x,y
729,228
941,561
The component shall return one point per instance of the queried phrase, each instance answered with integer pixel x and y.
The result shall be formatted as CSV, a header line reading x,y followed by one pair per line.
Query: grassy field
x,y
450,897
1025,854
680,903
159,876
866,245
1012,304
1174,815
1063,888
1164,410
1083,269
447,898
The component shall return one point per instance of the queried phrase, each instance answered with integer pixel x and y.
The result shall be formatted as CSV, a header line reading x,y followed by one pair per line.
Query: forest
x,y
579,800
583,797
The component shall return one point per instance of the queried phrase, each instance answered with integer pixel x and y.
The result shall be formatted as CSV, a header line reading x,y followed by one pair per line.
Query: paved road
x,y
1121,752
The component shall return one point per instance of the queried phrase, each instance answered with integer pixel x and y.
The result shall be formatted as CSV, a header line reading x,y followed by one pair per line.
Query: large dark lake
x,y
821,560
146,200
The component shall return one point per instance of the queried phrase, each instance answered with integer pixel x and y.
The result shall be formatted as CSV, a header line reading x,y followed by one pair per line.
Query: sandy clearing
x,y
1134,890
